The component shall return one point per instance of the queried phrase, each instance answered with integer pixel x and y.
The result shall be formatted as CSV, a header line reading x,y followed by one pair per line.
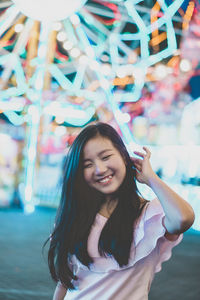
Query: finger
x,y
138,167
137,160
139,154
148,152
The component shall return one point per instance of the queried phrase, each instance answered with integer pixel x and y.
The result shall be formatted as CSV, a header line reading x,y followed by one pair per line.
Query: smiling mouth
x,y
106,179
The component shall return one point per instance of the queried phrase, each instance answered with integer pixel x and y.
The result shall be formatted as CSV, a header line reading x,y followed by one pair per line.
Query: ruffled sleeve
x,y
150,236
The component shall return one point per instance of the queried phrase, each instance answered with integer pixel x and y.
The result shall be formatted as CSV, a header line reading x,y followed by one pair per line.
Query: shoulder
x,y
143,202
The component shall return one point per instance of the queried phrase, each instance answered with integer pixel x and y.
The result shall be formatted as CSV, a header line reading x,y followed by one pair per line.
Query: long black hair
x,y
79,205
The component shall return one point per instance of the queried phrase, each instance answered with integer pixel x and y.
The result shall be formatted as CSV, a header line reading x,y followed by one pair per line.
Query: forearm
x,y
179,215
60,292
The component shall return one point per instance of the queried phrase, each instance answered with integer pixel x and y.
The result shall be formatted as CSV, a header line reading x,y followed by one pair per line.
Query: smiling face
x,y
104,167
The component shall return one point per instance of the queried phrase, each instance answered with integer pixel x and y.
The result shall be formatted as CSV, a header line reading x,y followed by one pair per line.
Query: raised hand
x,y
144,171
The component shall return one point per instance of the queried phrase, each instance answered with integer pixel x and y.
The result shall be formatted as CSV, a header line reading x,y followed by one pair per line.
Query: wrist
x,y
153,180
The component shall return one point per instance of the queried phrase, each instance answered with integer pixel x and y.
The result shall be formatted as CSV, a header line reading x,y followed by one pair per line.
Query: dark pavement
x,y
24,273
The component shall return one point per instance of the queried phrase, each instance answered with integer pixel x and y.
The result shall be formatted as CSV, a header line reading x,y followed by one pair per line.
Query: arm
x,y
179,215
60,292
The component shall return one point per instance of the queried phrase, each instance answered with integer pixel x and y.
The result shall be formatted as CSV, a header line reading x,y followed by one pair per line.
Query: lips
x,y
105,179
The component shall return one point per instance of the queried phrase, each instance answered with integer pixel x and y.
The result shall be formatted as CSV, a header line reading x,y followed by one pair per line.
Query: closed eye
x,y
106,157
87,166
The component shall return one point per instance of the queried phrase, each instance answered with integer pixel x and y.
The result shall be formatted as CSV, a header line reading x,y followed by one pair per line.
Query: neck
x,y
108,207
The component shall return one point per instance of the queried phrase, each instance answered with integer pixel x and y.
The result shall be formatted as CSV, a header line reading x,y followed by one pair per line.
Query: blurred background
x,y
133,64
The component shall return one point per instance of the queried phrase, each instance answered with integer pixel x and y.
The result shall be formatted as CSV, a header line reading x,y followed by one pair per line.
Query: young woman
x,y
108,241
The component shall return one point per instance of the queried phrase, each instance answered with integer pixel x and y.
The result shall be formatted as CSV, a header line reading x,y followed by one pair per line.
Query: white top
x,y
105,280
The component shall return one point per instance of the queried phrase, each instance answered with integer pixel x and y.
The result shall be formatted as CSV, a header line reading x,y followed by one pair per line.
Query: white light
x,y
122,117
74,113
185,65
89,51
160,71
121,72
14,104
39,81
132,146
54,105
94,65
126,117
45,10
60,130
138,74
169,168
28,193
104,83
61,36
31,154
119,116
52,108
75,19
83,59
68,45
60,119
19,27
29,208
106,69
42,51
105,58
57,26
114,38
62,113
75,52
34,112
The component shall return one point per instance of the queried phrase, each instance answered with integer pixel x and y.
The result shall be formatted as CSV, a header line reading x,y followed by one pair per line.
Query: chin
x,y
112,191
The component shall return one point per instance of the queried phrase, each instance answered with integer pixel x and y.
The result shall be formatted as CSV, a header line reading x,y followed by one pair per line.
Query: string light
x,y
185,65
57,26
61,36
68,45
75,52
18,27
96,40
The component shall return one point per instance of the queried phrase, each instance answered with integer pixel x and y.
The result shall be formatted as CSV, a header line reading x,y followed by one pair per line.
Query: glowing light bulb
x,y
46,10
57,26
83,59
161,71
75,52
106,69
68,45
185,65
61,36
19,27
75,19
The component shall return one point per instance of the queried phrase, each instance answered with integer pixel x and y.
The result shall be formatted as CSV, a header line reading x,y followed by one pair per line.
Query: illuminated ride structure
x,y
98,52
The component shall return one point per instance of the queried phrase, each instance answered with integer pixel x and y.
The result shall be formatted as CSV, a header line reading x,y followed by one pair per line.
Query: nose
x,y
100,168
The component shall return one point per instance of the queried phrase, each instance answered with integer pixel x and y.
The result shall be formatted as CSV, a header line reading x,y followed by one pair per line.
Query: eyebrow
x,y
100,153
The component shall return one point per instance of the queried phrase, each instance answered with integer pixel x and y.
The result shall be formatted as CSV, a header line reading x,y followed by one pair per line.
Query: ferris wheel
x,y
86,53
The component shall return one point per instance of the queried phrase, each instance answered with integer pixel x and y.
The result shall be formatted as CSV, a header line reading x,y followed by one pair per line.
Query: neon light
x,y
10,15
35,113
11,63
46,10
14,118
92,39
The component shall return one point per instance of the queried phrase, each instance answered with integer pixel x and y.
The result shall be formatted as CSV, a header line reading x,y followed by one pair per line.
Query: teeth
x,y
106,179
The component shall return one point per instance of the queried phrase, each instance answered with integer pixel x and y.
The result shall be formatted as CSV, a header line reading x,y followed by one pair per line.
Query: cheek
x,y
86,175
122,169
